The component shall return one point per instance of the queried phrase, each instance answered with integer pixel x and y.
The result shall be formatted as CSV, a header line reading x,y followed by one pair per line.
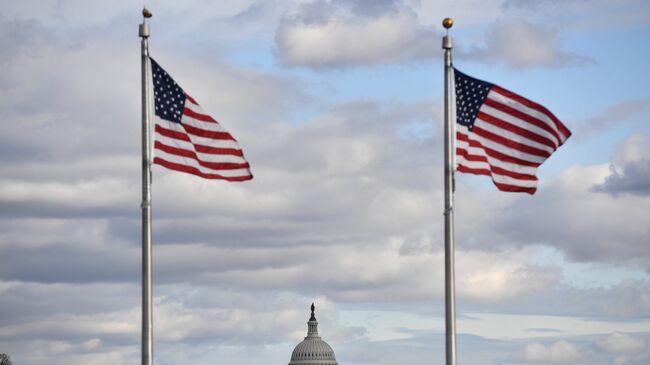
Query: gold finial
x,y
146,13
448,23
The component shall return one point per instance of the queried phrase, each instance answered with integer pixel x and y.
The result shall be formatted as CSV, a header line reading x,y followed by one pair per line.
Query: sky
x,y
338,107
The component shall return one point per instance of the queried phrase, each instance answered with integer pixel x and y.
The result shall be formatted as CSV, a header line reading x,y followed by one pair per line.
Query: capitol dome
x,y
313,350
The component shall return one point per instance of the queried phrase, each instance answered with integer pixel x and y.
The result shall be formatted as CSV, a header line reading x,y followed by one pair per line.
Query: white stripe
x,y
524,109
207,157
482,165
511,136
217,143
502,179
519,123
512,181
193,163
521,169
208,126
505,149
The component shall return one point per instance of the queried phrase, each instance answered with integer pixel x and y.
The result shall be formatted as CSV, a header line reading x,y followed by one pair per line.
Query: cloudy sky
x,y
338,107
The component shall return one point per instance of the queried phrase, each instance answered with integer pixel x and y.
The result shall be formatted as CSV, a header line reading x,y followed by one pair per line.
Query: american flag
x,y
503,135
189,140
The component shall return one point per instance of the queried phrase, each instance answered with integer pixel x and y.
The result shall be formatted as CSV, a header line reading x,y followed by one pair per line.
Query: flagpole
x,y
147,325
450,286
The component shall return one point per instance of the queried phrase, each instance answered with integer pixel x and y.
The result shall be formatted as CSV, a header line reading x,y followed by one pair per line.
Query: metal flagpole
x,y
147,325
450,286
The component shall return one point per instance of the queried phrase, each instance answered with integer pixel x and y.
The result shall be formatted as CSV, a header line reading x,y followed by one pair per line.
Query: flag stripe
x,y
192,155
177,130
516,156
538,140
521,112
191,99
205,133
514,144
202,124
194,171
495,169
170,133
476,155
207,153
506,134
496,178
477,143
207,157
191,162
197,115
219,150
557,124
510,119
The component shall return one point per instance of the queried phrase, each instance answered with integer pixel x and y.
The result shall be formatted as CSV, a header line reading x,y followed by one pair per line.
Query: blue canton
x,y
169,97
470,95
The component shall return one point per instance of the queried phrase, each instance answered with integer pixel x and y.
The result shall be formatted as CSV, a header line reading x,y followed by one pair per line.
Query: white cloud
x,y
557,352
602,228
499,276
520,44
635,148
341,36
614,116
618,342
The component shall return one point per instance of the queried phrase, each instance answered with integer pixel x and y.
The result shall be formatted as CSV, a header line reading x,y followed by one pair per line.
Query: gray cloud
x,y
628,111
624,300
633,179
597,221
630,173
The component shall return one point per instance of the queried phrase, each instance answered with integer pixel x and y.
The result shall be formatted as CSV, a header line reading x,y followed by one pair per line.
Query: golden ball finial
x,y
448,23
146,13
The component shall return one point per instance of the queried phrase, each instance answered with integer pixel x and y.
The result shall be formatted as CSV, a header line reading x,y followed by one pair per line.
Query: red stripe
x,y
515,188
524,117
191,154
540,108
202,117
495,169
199,148
495,154
191,99
469,157
218,150
207,134
563,129
500,186
509,143
469,170
195,171
515,129
171,133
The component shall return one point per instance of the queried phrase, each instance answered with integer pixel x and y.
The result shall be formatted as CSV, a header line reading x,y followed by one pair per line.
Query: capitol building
x,y
313,350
